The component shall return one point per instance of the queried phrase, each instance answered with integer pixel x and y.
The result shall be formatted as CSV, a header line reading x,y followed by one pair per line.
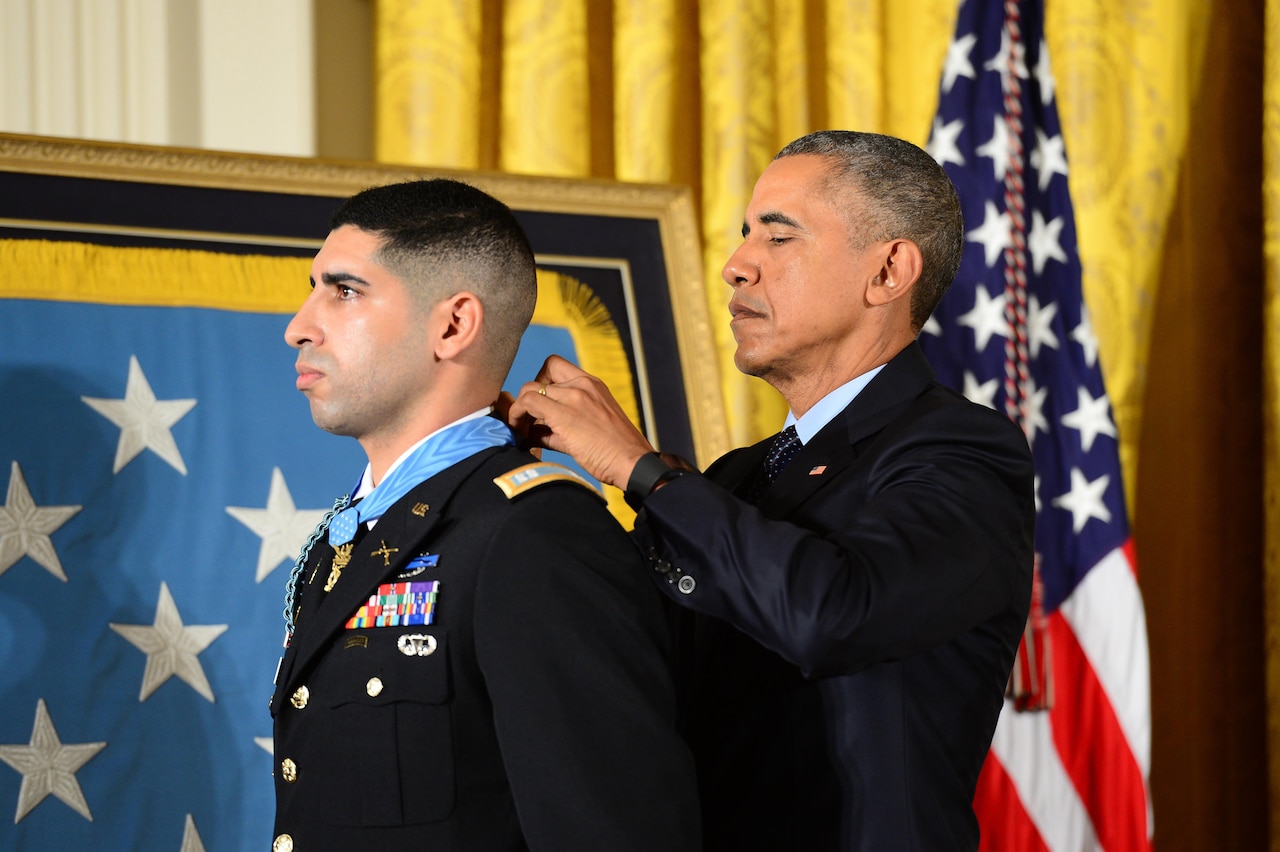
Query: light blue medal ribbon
x,y
443,449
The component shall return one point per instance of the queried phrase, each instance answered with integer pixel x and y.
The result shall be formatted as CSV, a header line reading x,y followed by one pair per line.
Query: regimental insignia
x,y
398,605
417,644
341,556
516,482
418,564
385,552
420,509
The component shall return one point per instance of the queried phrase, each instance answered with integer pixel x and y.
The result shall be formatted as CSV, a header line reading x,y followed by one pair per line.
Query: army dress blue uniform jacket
x,y
857,628
536,712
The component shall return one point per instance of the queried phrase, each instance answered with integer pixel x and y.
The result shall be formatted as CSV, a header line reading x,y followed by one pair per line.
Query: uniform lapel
x,y
380,553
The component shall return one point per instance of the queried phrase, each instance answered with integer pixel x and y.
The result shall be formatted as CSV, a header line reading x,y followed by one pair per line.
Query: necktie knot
x,y
784,446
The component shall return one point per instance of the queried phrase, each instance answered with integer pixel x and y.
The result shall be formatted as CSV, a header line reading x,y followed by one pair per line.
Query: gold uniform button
x,y
374,687
289,772
283,843
300,697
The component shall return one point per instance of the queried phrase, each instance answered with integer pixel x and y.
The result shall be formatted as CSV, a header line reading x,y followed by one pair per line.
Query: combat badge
x,y
418,564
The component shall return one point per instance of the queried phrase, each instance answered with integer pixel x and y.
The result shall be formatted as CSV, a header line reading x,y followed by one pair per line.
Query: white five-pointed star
x,y
144,421
1083,334
1000,62
1035,492
171,647
1033,419
957,63
997,148
995,233
983,393
1049,157
1084,500
1044,74
282,527
25,527
1044,241
191,841
986,317
48,766
942,142
1040,326
932,326
1091,418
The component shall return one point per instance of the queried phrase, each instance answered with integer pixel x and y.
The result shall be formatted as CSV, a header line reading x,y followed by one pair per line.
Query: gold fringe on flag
x,y
565,302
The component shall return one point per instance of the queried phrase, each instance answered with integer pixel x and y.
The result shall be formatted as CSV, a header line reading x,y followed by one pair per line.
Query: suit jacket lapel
x,y
836,446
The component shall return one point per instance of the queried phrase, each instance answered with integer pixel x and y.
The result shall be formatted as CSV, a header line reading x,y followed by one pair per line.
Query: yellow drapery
x,y
705,92
1271,389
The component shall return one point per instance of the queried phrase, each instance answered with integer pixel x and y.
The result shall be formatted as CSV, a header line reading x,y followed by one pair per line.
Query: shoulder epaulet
x,y
526,477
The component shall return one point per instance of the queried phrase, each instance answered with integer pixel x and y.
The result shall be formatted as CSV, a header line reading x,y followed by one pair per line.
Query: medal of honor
x,y
341,556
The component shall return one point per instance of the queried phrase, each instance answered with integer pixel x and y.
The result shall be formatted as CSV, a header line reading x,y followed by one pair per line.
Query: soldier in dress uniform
x,y
474,656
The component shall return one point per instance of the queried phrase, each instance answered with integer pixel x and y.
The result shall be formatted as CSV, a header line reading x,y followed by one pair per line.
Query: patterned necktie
x,y
784,447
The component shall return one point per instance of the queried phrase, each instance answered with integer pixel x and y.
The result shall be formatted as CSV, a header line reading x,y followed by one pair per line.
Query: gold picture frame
x,y
664,215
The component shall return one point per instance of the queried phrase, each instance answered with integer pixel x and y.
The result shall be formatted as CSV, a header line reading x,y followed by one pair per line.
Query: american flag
x,y
1013,333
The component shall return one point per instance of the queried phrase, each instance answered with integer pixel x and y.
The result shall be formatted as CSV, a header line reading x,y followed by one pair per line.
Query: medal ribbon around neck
x,y
441,450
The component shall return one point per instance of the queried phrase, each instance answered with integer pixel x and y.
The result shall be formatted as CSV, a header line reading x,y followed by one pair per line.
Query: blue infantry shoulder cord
x,y
291,587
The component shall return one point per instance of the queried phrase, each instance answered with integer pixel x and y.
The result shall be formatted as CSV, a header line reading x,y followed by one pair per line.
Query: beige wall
x,y
226,74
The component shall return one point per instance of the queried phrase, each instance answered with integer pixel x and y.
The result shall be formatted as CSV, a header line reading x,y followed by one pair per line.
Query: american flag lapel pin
x,y
818,471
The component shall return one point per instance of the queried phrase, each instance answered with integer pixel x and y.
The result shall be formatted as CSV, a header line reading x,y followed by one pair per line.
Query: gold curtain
x,y
704,92
638,90
1271,391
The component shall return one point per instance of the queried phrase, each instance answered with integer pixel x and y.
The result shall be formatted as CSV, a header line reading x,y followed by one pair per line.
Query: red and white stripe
x,y
1075,777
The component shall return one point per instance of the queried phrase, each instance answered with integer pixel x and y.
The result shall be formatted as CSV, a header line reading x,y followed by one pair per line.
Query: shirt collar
x,y
829,406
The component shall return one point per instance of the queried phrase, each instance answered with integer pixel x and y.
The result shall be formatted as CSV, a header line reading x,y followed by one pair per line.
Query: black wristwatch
x,y
650,471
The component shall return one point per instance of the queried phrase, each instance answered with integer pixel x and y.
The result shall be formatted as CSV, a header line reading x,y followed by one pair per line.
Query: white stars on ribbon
x,y
1084,500
1091,418
144,421
25,527
942,142
1048,158
171,647
1044,241
957,63
47,766
995,233
282,527
986,318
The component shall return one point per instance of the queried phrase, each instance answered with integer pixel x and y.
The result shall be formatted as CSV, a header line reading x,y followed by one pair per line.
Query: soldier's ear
x,y
458,319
